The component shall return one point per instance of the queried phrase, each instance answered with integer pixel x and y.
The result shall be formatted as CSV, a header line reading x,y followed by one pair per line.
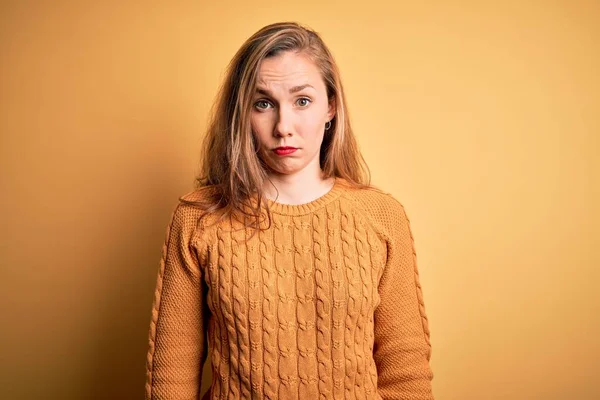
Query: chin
x,y
286,170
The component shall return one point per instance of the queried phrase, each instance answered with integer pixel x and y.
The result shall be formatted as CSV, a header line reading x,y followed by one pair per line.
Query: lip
x,y
284,150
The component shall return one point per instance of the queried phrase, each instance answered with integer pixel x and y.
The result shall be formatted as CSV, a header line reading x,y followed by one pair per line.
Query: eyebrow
x,y
292,90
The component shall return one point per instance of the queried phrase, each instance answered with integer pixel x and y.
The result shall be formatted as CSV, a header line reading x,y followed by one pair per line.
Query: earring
x,y
327,125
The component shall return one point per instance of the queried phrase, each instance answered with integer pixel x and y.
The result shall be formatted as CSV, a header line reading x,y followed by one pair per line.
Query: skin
x,y
291,108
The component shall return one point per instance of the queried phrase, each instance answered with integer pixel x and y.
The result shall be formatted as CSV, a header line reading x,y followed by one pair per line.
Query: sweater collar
x,y
307,208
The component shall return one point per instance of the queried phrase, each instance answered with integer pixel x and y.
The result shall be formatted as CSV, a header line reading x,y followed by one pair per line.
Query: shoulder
x,y
383,211
189,205
199,195
188,212
373,201
197,208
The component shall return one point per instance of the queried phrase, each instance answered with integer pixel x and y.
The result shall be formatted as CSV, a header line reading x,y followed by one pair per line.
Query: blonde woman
x,y
299,276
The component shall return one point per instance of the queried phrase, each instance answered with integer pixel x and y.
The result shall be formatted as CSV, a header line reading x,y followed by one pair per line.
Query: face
x,y
290,110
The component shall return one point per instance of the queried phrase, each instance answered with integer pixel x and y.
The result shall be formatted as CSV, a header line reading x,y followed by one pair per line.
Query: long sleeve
x,y
402,348
177,340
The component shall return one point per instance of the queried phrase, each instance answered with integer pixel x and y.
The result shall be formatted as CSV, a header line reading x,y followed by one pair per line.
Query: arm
x,y
402,348
177,344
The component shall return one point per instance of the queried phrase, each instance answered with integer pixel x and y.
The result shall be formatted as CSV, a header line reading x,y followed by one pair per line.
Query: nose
x,y
284,124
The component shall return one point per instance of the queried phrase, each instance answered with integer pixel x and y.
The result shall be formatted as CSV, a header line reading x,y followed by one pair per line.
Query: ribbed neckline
x,y
311,206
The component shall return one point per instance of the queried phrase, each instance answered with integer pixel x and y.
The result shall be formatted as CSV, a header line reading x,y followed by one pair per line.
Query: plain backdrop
x,y
481,117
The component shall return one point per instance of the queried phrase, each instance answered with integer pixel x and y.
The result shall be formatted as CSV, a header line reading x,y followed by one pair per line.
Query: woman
x,y
299,276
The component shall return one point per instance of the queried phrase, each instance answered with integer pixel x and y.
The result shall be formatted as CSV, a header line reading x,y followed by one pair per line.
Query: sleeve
x,y
402,349
177,338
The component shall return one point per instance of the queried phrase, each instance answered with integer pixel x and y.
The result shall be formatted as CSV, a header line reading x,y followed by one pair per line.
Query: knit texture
x,y
325,303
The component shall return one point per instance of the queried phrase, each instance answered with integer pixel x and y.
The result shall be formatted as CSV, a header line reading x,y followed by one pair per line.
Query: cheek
x,y
311,128
260,128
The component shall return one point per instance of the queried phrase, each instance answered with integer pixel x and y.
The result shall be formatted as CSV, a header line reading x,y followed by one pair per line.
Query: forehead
x,y
289,68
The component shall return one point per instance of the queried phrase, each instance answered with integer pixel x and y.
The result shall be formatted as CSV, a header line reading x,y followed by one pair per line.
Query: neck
x,y
300,188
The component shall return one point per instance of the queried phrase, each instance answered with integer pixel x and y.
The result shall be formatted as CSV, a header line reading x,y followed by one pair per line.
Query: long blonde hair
x,y
231,172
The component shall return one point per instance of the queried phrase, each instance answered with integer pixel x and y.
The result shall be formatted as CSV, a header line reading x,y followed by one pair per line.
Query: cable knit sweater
x,y
325,303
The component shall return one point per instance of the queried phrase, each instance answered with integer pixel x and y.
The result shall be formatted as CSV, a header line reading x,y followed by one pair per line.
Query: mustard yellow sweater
x,y
325,304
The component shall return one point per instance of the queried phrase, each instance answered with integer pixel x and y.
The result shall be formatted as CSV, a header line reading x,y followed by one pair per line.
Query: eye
x,y
303,101
262,105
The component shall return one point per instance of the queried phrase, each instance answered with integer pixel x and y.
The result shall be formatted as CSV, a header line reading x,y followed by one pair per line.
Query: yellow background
x,y
482,118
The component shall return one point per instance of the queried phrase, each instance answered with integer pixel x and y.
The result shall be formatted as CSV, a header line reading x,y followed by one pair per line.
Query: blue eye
x,y
303,101
262,104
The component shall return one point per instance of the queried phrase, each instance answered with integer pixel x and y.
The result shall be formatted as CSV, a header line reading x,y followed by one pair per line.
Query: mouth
x,y
284,150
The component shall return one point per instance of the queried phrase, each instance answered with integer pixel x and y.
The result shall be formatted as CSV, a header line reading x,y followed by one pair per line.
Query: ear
x,y
331,109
